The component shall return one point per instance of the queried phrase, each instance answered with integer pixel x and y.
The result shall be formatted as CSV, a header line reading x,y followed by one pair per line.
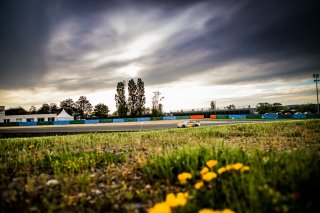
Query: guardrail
x,y
146,119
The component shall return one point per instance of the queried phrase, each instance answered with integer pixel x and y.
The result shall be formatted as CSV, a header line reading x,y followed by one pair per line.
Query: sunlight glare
x,y
130,70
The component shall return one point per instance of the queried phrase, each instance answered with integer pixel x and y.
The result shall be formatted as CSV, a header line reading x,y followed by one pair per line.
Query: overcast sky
x,y
230,51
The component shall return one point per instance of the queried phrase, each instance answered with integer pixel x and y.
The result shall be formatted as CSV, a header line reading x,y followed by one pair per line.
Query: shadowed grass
x,y
272,184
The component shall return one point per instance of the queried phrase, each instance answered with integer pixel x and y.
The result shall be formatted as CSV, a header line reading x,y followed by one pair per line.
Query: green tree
x,y
44,109
16,111
101,110
32,110
312,108
83,107
53,108
146,111
231,107
141,98
276,107
157,107
120,98
69,106
263,108
132,98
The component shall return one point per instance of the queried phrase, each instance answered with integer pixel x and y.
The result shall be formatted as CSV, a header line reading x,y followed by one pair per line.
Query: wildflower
x,y
221,170
211,163
204,171
209,176
171,200
206,211
180,200
162,207
198,185
215,211
31,146
183,177
245,168
237,166
229,167
186,195
227,211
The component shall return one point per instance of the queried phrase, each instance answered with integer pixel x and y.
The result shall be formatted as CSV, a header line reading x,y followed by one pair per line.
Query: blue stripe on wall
x,y
61,122
299,116
270,116
31,123
237,116
170,118
91,121
143,119
117,120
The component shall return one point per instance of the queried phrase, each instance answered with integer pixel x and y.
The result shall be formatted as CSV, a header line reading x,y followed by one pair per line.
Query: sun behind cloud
x,y
130,70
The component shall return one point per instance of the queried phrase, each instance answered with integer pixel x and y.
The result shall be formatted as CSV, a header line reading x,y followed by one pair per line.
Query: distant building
x,y
62,116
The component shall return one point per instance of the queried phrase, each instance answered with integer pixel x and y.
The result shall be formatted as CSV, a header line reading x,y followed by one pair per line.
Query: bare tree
x,y
157,107
213,105
32,110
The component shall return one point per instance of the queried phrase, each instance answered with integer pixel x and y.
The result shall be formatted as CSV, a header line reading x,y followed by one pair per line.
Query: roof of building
x,y
63,113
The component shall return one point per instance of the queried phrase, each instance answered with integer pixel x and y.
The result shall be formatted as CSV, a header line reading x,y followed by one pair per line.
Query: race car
x,y
189,124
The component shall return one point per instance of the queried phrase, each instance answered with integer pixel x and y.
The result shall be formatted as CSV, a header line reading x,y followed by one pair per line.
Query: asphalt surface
x,y
29,131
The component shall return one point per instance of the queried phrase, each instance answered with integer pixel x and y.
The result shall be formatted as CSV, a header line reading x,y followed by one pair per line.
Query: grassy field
x,y
266,167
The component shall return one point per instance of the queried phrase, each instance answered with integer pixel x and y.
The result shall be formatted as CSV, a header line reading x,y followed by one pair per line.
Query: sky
x,y
193,52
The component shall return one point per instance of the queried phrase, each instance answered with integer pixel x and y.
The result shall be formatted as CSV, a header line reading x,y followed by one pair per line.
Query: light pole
x,y
316,76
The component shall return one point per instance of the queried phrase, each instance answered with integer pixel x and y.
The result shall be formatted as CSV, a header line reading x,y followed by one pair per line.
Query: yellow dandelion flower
x,y
221,170
186,195
206,211
229,167
204,171
171,200
162,207
211,163
198,185
182,199
227,211
31,146
245,168
183,177
237,166
209,176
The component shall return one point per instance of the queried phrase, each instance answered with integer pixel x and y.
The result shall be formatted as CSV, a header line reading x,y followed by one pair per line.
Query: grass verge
x,y
127,172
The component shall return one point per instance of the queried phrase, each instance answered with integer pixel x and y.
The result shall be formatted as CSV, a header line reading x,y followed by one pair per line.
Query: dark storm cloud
x,y
23,35
26,27
84,42
266,32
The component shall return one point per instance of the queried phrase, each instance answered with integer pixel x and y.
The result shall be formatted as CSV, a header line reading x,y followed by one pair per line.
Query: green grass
x,y
127,172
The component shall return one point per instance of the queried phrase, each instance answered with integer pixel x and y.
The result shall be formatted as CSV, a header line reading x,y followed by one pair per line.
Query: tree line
x,y
82,108
263,108
133,106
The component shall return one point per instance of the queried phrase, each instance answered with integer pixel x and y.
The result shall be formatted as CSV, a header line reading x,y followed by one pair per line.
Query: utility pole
x,y
316,76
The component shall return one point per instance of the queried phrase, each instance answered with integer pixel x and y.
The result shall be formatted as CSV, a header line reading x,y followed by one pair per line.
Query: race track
x,y
28,131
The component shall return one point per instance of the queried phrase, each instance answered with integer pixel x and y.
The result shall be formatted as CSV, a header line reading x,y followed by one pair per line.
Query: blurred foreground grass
x,y
130,172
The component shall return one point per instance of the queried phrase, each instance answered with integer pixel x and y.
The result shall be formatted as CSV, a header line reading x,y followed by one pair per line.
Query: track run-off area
x,y
29,131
